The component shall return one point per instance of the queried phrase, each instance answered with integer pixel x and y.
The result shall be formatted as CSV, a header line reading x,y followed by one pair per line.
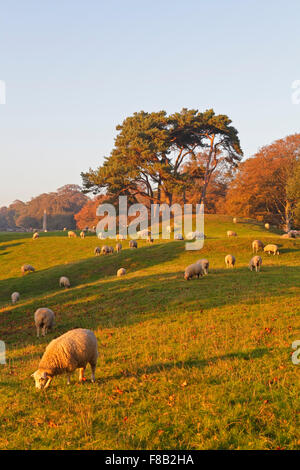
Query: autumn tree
x,y
260,188
293,193
151,149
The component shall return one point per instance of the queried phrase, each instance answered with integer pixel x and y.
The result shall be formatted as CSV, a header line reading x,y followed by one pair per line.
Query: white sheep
x,y
271,248
133,244
195,235
294,233
44,320
257,245
205,264
118,247
255,263
121,272
15,297
193,270
27,268
63,355
234,220
105,250
230,233
267,226
64,282
229,261
35,236
72,234
97,251
82,234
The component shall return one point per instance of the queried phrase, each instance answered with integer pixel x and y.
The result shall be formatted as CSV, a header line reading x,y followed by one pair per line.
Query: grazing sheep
x,y
35,236
294,233
195,235
65,229
230,233
255,263
111,249
257,245
229,261
64,282
44,319
118,247
72,234
121,272
178,236
63,355
97,251
267,226
82,234
271,248
133,244
193,270
286,235
105,250
15,297
234,220
205,264
26,268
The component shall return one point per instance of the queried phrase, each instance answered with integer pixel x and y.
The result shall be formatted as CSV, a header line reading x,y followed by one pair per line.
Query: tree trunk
x,y
288,216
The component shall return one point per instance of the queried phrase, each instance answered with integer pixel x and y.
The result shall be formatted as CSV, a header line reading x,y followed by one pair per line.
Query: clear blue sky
x,y
75,69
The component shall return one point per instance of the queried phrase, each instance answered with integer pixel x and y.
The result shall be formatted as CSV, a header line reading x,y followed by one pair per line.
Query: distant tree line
x,y
61,206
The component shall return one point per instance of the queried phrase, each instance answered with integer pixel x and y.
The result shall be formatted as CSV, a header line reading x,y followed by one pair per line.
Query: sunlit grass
x,y
183,365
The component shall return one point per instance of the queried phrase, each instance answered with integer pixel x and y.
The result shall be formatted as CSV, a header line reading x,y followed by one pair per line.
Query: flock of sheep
x,y
78,347
200,268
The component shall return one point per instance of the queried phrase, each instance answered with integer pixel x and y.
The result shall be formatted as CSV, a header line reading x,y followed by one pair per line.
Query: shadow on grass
x,y
112,302
199,364
45,281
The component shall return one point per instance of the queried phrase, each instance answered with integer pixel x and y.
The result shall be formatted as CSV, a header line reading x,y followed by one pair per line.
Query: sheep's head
x,y
42,379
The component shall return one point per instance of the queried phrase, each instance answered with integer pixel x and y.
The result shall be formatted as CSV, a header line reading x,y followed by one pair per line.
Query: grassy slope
x,y
188,365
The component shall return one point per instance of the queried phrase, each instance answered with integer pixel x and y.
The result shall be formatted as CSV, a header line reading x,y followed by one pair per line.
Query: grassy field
x,y
204,364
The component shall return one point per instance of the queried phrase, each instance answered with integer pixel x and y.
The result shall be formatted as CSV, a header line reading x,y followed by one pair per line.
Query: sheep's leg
x,y
38,331
69,379
81,374
93,367
48,382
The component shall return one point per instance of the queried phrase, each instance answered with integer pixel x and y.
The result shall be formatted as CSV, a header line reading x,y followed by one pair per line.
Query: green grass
x,y
182,365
